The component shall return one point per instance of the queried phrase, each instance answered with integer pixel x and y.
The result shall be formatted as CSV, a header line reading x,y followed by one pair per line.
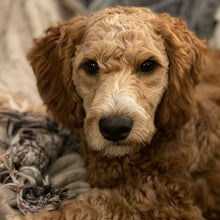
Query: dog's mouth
x,y
120,143
118,129
118,149
117,135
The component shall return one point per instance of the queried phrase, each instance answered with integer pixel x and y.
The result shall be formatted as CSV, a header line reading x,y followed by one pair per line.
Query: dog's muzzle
x,y
115,128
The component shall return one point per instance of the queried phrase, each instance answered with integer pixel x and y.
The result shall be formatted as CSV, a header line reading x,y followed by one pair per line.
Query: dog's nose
x,y
115,128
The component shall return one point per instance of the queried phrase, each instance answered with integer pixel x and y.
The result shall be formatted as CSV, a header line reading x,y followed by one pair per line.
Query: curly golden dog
x,y
149,109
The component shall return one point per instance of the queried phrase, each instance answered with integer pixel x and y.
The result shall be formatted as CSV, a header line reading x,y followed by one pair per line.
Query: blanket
x,y
29,144
32,177
201,16
20,22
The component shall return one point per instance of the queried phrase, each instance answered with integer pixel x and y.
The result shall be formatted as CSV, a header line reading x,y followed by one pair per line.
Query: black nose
x,y
115,128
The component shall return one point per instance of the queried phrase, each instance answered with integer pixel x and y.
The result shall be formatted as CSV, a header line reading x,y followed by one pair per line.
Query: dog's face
x,y
115,73
120,71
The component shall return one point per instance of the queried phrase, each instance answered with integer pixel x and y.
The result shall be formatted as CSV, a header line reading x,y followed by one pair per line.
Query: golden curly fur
x,y
168,167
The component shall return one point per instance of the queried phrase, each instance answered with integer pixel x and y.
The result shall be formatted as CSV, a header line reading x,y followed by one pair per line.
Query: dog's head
x,y
121,74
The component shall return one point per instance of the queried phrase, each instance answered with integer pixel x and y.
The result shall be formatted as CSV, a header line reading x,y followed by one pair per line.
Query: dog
x,y
145,92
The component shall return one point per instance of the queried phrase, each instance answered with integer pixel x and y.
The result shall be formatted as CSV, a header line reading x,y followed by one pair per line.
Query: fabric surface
x,y
20,22
215,39
8,203
28,145
199,14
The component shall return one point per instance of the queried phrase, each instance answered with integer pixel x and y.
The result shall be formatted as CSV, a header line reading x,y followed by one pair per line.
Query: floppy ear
x,y
186,55
51,59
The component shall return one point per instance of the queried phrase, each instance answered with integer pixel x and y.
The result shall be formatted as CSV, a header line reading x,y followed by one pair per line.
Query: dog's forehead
x,y
121,35
120,24
122,12
120,19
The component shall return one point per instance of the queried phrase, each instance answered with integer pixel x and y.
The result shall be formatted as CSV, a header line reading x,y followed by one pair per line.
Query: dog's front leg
x,y
108,204
95,205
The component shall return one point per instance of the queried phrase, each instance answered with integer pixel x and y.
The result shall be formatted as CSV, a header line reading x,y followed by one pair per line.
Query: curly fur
x,y
169,165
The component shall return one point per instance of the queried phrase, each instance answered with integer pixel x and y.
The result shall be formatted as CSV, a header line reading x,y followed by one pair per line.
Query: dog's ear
x,y
51,59
186,55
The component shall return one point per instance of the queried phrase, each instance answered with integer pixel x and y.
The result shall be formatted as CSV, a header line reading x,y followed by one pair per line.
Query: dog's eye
x,y
148,66
91,67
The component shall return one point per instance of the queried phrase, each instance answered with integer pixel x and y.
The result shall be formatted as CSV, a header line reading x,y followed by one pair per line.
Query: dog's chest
x,y
115,173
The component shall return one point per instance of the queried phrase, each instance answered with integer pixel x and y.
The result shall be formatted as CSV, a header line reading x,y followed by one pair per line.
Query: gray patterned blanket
x,y
39,163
